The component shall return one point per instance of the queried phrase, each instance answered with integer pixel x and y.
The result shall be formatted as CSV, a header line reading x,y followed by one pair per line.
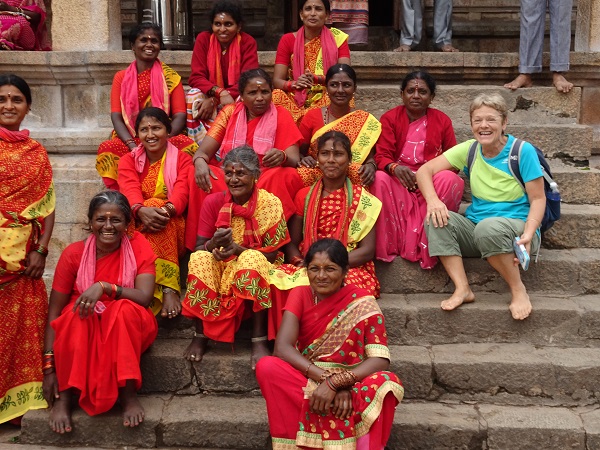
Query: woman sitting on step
x,y
501,211
362,129
412,134
99,322
328,385
146,82
240,233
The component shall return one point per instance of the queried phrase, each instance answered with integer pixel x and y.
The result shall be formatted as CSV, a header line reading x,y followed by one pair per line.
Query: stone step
x,y
241,423
535,105
498,373
572,272
578,227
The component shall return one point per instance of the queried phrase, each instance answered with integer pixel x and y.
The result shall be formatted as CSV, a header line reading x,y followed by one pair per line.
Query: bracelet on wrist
x,y
103,287
39,248
284,157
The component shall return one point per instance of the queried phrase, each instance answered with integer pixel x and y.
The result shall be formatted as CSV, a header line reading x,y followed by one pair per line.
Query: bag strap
x,y
514,157
471,156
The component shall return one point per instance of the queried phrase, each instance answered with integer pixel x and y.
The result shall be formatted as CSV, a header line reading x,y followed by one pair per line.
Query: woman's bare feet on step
x,y
560,83
403,48
60,414
448,48
457,299
171,303
520,306
196,349
259,350
133,412
522,81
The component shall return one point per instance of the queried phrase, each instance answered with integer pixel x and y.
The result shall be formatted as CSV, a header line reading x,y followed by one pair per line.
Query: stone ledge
x,y
51,68
556,320
241,423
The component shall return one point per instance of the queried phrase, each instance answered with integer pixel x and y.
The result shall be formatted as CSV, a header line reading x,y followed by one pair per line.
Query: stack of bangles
x,y
288,86
129,141
48,362
40,249
319,79
135,209
392,168
218,93
338,380
169,209
284,157
297,261
114,292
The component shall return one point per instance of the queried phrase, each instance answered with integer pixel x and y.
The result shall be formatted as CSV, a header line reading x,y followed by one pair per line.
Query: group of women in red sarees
x,y
276,172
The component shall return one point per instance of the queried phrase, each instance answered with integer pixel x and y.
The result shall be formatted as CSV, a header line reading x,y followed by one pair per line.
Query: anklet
x,y
258,339
199,335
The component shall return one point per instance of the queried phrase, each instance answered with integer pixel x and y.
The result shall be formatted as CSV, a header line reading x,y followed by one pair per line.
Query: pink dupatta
x,y
13,136
87,267
159,93
170,169
329,51
236,133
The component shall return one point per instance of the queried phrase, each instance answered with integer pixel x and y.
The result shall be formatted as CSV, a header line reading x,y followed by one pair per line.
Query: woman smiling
x,y
239,235
266,128
218,59
154,179
304,57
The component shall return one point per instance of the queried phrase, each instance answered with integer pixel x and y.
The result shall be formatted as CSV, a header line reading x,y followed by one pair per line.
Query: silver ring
x,y
173,312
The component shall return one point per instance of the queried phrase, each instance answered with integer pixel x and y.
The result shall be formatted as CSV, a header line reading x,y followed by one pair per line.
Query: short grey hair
x,y
495,101
246,156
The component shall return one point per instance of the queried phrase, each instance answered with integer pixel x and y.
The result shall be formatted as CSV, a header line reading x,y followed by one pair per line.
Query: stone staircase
x,y
474,378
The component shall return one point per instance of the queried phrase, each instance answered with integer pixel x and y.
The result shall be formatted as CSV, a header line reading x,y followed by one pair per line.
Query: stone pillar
x,y
587,31
83,25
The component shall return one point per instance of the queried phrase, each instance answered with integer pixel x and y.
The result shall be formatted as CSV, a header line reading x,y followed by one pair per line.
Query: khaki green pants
x,y
461,237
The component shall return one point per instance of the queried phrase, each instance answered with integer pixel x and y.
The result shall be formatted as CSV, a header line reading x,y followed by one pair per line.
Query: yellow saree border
x,y
361,223
365,138
20,229
339,37
20,399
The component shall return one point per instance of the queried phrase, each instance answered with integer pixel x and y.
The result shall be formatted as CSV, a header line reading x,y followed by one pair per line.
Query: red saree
x,y
110,151
283,182
339,332
26,199
217,291
97,355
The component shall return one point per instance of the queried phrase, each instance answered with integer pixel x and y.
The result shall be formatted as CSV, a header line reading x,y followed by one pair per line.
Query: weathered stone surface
x,y
105,430
426,426
537,105
164,369
590,320
532,428
202,421
413,366
577,372
418,320
591,422
577,185
579,226
572,271
514,368
81,107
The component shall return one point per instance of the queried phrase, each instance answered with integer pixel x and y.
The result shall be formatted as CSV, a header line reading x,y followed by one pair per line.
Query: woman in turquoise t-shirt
x,y
500,211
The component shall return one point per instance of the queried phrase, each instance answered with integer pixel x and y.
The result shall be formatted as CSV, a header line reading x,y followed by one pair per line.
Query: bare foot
x,y
171,304
448,48
457,299
520,306
522,81
60,414
403,48
196,349
133,412
259,350
560,83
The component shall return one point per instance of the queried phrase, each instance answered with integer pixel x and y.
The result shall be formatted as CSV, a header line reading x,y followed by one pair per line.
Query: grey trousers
x,y
533,20
490,237
412,22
